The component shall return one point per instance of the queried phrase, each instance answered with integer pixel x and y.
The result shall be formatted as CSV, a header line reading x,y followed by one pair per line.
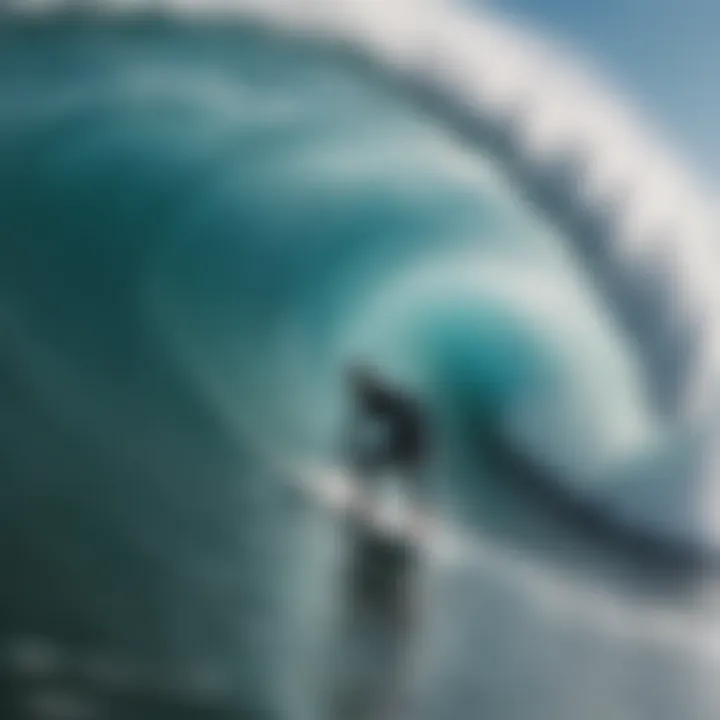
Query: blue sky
x,y
664,53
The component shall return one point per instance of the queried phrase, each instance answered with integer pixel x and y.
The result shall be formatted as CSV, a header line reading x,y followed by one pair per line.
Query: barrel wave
x,y
203,222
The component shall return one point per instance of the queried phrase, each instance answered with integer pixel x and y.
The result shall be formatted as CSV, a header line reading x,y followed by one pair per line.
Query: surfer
x,y
388,442
388,434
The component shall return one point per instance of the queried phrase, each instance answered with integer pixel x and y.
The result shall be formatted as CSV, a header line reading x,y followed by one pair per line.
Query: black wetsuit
x,y
382,588
406,439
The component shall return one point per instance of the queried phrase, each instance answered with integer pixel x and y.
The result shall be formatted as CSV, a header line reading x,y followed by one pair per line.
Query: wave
x,y
209,208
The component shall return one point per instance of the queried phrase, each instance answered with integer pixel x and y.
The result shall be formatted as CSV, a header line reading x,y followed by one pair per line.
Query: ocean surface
x,y
203,219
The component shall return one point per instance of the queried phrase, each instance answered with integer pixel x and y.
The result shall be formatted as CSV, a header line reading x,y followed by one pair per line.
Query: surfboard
x,y
339,492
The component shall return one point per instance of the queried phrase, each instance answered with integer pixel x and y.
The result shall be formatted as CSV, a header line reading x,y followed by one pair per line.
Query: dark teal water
x,y
199,226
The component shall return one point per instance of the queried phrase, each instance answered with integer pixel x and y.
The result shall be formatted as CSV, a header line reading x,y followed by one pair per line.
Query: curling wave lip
x,y
626,200
623,201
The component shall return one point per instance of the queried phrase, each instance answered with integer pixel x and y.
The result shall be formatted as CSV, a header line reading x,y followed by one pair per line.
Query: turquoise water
x,y
199,226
